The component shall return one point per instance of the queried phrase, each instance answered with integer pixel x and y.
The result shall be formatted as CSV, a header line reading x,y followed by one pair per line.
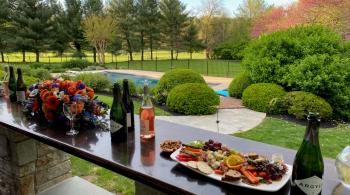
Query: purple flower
x,y
81,86
55,85
32,87
77,97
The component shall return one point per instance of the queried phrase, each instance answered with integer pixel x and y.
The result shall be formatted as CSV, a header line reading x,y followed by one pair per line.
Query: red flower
x,y
52,102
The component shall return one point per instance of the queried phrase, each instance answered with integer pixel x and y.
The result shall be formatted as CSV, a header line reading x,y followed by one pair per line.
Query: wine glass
x,y
70,110
342,164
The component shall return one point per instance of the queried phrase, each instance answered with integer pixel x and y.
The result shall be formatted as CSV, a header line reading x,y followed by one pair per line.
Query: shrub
x,y
230,50
173,78
58,70
259,96
28,80
41,74
193,99
98,81
299,104
132,87
76,69
239,84
76,63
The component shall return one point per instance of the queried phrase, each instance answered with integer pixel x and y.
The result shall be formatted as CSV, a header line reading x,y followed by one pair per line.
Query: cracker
x,y
204,167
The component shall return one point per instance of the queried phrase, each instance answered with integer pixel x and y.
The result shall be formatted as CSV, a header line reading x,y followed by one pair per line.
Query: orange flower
x,y
91,94
80,106
66,98
45,94
52,102
88,89
72,90
81,92
49,116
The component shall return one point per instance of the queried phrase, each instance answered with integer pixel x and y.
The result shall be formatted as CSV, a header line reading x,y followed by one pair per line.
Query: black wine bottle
x,y
12,85
21,88
129,106
308,163
118,123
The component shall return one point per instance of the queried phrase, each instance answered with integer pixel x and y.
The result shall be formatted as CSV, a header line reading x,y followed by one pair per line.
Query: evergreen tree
x,y
174,19
60,37
4,24
191,41
124,12
73,24
33,26
93,8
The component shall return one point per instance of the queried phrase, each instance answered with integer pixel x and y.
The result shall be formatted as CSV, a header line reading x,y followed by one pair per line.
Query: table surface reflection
x,y
143,162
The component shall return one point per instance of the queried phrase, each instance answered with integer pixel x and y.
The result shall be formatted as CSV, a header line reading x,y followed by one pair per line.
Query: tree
x,y
93,7
191,41
99,31
123,12
4,25
210,9
60,37
33,26
141,19
152,24
252,8
173,18
73,20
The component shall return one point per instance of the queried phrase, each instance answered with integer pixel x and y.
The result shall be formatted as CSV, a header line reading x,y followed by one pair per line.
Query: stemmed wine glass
x,y
70,110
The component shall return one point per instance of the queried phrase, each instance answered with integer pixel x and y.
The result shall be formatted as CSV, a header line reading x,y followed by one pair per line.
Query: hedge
x,y
239,84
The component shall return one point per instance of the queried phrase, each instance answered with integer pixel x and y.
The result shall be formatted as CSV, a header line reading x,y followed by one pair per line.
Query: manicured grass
x,y
137,104
289,135
53,58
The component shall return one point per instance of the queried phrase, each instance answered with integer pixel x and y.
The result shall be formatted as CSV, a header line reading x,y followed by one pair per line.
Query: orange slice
x,y
234,161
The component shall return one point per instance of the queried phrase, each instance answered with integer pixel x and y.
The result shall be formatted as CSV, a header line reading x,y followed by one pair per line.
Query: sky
x,y
231,5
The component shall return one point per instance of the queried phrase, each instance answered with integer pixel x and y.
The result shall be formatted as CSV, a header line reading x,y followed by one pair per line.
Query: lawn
x,y
289,135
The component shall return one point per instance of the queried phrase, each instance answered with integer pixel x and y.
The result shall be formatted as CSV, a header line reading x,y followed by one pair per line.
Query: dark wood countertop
x,y
143,162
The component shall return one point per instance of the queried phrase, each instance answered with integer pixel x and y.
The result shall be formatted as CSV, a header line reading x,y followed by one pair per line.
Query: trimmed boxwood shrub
x,y
299,104
76,63
132,87
98,81
259,96
239,84
193,99
173,78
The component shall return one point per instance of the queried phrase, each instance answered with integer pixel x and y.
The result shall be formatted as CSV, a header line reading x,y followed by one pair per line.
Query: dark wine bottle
x,y
129,106
308,163
12,85
118,123
21,88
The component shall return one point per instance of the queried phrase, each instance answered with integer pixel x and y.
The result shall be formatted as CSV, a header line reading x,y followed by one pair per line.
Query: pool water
x,y
138,80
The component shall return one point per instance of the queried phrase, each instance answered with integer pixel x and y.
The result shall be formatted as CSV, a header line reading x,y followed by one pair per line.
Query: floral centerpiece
x,y
45,100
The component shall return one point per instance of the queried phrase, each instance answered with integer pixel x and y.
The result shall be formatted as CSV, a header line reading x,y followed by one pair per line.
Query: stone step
x,y
73,186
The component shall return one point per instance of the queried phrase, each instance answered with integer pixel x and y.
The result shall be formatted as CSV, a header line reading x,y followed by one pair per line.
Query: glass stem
x,y
72,124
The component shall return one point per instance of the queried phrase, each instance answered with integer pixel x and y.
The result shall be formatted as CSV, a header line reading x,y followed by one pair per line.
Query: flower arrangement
x,y
47,98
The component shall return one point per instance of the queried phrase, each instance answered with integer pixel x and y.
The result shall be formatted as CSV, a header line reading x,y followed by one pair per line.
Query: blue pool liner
x,y
222,93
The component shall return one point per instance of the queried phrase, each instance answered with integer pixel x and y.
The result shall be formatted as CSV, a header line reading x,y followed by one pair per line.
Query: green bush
x,y
98,81
28,80
132,87
239,84
41,74
173,78
299,104
260,96
58,70
193,99
230,50
76,63
75,69
305,58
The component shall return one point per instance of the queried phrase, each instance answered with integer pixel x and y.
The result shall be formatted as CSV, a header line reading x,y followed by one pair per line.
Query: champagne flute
x,y
70,110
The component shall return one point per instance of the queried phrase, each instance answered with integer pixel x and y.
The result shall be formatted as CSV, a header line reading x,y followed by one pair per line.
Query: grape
x,y
211,141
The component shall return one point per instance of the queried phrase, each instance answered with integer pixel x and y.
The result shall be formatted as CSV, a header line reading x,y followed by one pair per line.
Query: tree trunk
x,y
142,46
23,56
2,57
37,55
177,53
191,55
129,49
78,47
151,46
94,51
172,53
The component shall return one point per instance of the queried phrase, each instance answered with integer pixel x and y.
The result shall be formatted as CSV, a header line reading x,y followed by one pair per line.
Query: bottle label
x,y
128,119
114,126
21,96
310,186
144,127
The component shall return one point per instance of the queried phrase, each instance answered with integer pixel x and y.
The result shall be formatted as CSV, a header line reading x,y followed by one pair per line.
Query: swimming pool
x,y
138,80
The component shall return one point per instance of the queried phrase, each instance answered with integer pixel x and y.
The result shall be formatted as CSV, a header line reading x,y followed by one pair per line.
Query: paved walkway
x,y
230,120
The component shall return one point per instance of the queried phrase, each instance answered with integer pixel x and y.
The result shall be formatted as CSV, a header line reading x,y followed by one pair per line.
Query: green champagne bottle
x,y
21,88
308,163
118,123
129,106
12,85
